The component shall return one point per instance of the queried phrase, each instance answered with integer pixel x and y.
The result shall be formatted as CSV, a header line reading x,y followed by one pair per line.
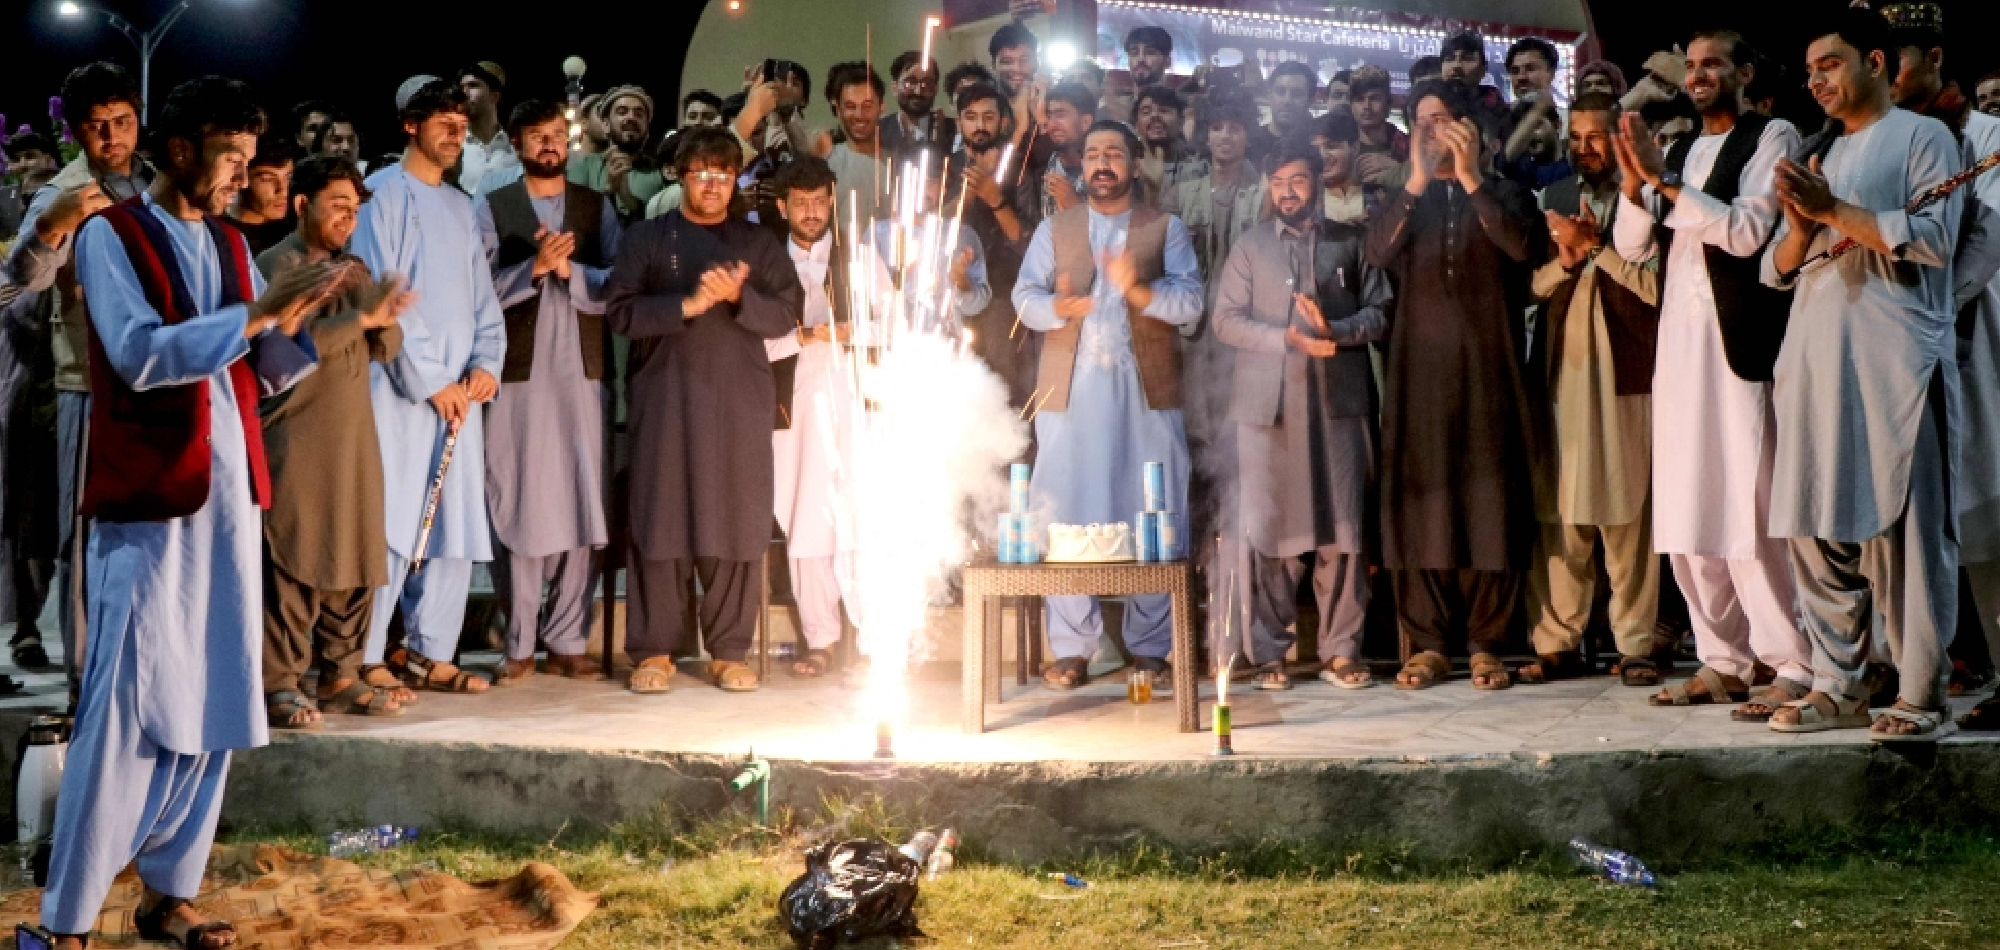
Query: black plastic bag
x,y
850,891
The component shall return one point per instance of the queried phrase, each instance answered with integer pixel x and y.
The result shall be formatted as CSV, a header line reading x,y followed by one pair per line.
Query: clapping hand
x,y
287,300
722,283
1807,196
1575,237
385,302
1070,305
1311,346
554,249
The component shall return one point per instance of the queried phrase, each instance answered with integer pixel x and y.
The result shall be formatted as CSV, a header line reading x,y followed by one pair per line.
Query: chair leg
x,y
1037,616
764,618
1020,640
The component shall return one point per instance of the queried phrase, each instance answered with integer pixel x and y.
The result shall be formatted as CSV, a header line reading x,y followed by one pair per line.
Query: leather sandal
x,y
420,672
1423,670
733,676
653,675
1347,673
513,672
575,666
381,677
1717,689
360,699
1489,673
152,925
1760,707
1819,712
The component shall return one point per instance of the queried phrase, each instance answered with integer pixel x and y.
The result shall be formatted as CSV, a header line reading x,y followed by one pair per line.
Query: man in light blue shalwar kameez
x,y
1110,283
171,682
454,339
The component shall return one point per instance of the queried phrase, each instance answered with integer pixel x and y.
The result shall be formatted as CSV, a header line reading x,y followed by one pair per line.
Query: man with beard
x,y
101,106
1300,308
1866,393
1920,88
623,172
1987,93
698,292
263,210
187,338
1149,50
1109,283
916,123
854,92
812,446
1458,438
1069,113
309,118
324,553
1338,92
993,212
454,339
340,140
1168,161
489,161
550,243
1713,437
1533,156
1293,85
1593,361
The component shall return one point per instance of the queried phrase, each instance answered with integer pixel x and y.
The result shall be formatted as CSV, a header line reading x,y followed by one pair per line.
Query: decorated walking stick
x,y
1924,199
431,497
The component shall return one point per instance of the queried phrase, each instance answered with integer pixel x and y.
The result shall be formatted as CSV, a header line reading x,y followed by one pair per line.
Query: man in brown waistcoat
x,y
550,243
1110,282
1593,355
324,550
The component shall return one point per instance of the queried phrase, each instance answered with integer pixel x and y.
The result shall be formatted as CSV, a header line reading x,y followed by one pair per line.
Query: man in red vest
x,y
184,339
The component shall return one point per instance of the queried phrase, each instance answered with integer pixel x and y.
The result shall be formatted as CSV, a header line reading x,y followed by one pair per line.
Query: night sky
x,y
356,52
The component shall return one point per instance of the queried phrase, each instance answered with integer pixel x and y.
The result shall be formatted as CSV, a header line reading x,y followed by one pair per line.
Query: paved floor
x,y
820,721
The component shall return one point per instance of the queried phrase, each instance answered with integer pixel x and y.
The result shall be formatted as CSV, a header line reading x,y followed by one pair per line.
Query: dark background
x,y
355,52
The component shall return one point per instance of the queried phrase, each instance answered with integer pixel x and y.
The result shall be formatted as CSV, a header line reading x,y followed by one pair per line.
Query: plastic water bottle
x,y
920,847
41,765
1068,880
941,859
352,842
1616,866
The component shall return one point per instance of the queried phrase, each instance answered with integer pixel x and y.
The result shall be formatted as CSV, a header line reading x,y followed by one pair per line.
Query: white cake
x,y
1089,544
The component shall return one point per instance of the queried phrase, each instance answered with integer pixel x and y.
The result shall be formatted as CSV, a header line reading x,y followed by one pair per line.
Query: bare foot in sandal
x,y
380,677
356,698
175,920
1490,673
812,664
1905,722
440,676
1347,673
290,709
1423,671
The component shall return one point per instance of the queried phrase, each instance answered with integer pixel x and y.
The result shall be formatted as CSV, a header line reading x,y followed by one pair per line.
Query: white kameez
x,y
1866,333
171,681
1977,491
1713,434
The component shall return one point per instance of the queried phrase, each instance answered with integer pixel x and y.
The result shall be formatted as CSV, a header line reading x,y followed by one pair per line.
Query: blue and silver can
x,y
1146,536
1007,540
1156,486
1170,536
1017,488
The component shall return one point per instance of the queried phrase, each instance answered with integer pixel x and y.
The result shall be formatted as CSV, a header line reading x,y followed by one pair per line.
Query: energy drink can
x,y
1156,486
1169,531
1010,539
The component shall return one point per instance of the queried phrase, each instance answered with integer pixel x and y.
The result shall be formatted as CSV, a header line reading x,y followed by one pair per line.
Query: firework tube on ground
x,y
1222,746
431,497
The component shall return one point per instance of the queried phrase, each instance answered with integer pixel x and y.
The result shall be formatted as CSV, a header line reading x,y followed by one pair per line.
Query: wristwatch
x,y
1670,179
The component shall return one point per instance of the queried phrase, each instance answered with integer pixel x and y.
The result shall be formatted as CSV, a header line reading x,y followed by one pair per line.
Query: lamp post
x,y
146,40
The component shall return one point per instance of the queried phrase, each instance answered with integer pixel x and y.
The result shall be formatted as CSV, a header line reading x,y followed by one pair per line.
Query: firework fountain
x,y
931,434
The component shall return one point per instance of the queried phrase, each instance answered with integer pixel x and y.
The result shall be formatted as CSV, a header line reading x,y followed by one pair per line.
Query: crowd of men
x,y
1491,348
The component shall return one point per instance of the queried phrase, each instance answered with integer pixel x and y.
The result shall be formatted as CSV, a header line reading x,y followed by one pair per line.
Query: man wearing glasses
x,y
916,123
698,292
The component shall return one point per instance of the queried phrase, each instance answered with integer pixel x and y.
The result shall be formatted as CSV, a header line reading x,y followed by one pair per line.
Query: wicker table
x,y
982,639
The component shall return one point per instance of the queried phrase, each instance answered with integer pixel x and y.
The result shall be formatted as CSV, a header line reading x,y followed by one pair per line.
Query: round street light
x,y
146,40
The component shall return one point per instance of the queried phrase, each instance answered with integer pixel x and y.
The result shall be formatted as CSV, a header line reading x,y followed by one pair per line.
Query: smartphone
x,y
770,71
31,937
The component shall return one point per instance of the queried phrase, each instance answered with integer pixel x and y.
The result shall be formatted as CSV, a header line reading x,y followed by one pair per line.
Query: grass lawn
x,y
667,883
